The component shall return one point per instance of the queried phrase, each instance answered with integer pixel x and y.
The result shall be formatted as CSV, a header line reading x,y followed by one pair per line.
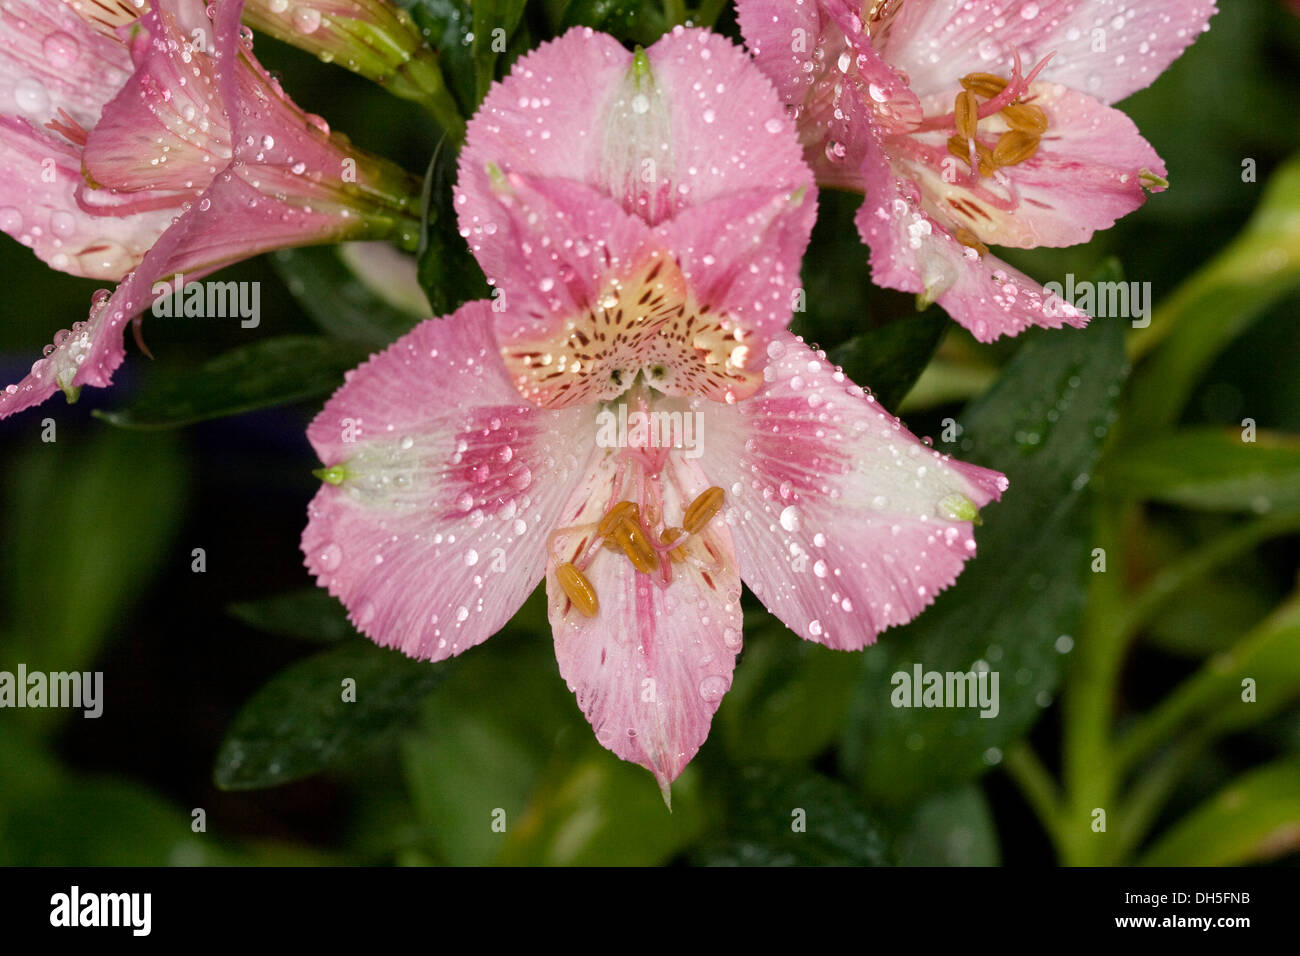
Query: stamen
x,y
966,114
961,148
986,85
632,540
578,589
624,509
702,509
667,537
971,241
1014,147
1026,117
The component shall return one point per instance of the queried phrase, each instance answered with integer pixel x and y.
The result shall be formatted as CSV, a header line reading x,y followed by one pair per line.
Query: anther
x,y
624,509
702,509
1015,146
986,85
632,540
971,241
983,155
966,114
579,590
668,536
1026,117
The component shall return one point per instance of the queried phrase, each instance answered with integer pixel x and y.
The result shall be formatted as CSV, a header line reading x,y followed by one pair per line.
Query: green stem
x,y
1039,789
709,12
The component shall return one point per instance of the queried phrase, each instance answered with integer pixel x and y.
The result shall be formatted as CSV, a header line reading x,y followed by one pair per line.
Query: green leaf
x,y
632,21
890,359
88,520
448,25
788,699
1254,819
494,22
347,300
1216,305
1042,425
300,723
270,372
310,613
794,817
950,829
448,273
1209,469
598,810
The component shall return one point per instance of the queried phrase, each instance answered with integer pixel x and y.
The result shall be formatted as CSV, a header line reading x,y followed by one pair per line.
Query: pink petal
x,y
167,128
913,252
38,207
844,522
650,669
937,43
831,78
52,60
701,123
437,532
1088,172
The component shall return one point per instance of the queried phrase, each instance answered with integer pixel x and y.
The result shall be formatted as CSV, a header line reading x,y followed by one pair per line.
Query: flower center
x,y
647,323
634,527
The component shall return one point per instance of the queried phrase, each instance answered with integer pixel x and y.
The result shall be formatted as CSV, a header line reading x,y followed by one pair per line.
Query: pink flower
x,y
448,496
974,123
199,158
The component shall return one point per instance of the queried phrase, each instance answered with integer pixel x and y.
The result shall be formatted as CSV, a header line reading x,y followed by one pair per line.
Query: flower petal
x,y
436,530
38,207
1105,48
913,252
1090,170
688,120
845,523
53,61
650,669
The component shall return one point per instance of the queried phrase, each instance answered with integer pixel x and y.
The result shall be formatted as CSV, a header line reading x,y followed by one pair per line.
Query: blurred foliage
x,y
1135,588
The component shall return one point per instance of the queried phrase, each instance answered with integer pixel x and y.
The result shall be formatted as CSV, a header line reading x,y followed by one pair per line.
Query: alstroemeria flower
x,y
57,73
974,123
201,132
448,496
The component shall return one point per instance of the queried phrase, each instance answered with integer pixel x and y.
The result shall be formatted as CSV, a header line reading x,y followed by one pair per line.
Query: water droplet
x,y
331,556
61,49
713,688
306,19
790,518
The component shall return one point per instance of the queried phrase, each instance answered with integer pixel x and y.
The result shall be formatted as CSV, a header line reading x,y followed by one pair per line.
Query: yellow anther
x,y
579,590
966,114
984,84
668,536
1015,147
702,509
970,240
609,524
960,148
1026,118
636,546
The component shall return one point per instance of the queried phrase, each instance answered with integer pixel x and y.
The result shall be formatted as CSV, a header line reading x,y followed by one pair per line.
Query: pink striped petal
x,y
1092,168
913,252
38,207
54,64
1105,48
448,488
844,522
650,669
686,121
